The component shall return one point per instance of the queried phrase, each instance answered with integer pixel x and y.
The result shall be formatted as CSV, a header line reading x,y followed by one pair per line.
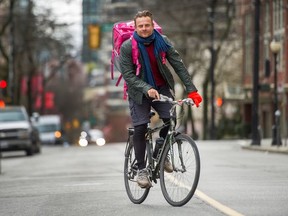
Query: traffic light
x,y
3,84
219,102
2,103
3,91
94,36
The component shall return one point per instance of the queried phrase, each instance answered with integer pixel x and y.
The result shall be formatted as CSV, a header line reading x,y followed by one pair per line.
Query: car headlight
x,y
83,142
100,141
57,134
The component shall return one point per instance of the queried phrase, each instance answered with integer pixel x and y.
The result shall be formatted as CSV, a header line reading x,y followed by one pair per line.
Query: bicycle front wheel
x,y
136,194
179,186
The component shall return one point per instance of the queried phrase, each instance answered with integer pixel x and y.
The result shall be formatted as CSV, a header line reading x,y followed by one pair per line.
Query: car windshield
x,y
7,116
47,128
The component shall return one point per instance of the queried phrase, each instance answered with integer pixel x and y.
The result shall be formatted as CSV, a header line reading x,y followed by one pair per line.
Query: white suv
x,y
17,132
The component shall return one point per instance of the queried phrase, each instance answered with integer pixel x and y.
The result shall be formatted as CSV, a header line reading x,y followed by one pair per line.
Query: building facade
x,y
273,68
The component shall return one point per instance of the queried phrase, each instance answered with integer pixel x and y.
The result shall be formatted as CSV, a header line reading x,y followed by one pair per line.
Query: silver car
x,y
16,131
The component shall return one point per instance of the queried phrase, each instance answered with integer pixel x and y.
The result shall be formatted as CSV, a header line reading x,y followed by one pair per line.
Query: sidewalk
x,y
265,146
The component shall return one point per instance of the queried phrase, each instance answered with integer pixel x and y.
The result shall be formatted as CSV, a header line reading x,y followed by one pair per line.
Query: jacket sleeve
x,y
180,69
128,70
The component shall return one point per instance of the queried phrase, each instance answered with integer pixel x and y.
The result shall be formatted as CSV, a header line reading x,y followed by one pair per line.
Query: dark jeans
x,y
140,115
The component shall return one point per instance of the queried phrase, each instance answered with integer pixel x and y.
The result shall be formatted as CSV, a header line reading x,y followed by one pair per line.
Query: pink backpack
x,y
121,32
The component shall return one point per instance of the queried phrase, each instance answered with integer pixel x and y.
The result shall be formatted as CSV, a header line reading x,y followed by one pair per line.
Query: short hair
x,y
144,13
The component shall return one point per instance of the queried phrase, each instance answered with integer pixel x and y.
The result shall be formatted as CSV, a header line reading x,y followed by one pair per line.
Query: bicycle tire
x,y
179,186
136,194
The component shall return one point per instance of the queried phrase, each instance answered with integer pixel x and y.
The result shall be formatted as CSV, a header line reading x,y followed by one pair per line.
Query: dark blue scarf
x,y
160,45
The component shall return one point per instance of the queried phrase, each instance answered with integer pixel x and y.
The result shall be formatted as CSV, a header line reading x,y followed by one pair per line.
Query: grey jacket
x,y
137,86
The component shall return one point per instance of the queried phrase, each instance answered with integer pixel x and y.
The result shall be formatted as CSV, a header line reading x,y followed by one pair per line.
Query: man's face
x,y
144,26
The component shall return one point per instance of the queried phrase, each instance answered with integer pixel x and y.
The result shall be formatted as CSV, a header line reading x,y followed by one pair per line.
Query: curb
x,y
272,149
265,146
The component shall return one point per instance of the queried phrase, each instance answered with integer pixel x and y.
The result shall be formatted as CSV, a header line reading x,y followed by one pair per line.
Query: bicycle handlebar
x,y
179,102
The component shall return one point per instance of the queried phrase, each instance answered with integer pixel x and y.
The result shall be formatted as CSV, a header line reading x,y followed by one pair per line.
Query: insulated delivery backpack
x,y
121,32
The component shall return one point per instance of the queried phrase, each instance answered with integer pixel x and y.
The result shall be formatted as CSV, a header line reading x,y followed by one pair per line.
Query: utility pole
x,y
211,11
11,54
255,131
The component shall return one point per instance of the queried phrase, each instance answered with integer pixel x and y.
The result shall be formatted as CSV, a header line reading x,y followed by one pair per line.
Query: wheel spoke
x,y
179,186
136,194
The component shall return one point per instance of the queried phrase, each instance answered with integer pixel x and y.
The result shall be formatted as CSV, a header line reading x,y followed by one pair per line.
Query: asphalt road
x,y
89,181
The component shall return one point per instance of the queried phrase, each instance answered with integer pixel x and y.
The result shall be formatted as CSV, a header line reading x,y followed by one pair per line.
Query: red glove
x,y
195,97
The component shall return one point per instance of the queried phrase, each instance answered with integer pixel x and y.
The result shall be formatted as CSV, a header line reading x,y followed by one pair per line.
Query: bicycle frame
x,y
154,163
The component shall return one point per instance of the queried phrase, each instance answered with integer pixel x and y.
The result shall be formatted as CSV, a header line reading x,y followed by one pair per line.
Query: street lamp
x,y
276,139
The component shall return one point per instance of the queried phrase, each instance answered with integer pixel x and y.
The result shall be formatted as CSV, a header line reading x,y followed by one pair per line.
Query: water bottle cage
x,y
158,147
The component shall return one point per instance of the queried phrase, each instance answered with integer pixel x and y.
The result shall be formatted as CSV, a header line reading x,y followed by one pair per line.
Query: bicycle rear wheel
x,y
136,194
179,186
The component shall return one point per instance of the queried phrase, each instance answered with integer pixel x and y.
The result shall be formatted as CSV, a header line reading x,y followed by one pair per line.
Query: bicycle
x,y
177,187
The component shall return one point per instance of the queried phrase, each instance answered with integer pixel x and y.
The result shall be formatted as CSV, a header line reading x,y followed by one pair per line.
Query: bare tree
x,y
34,43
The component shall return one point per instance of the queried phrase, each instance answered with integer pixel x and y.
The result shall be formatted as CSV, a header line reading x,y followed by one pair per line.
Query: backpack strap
x,y
135,59
119,79
135,55
112,65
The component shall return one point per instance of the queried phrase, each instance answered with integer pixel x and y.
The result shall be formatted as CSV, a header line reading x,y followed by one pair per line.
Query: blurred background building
x,y
102,98
273,67
40,69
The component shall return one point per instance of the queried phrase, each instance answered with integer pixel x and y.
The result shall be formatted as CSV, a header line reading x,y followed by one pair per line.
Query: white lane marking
x,y
225,209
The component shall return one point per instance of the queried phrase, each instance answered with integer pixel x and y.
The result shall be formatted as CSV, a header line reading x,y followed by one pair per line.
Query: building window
x,y
277,14
278,29
267,34
248,44
267,17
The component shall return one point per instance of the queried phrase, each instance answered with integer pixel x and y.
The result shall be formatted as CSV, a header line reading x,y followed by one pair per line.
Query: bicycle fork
x,y
172,140
179,144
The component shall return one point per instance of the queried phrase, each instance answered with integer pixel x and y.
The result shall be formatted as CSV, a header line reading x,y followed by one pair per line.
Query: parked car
x,y
50,129
92,136
17,132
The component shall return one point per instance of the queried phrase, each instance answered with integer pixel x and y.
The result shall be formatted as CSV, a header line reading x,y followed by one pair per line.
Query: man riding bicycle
x,y
154,78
